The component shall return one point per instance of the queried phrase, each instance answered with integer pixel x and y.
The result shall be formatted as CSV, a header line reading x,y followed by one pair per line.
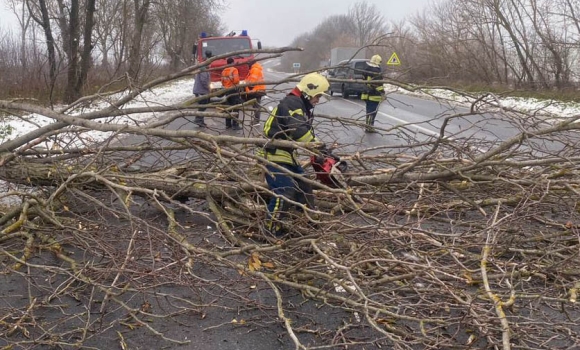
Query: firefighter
x,y
256,75
290,120
231,80
374,93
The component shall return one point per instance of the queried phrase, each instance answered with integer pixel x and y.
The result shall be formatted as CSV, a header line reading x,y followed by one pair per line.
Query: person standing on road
x,y
374,93
201,87
231,80
290,120
256,75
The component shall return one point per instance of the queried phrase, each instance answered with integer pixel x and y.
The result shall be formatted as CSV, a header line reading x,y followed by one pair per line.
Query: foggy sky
x,y
278,22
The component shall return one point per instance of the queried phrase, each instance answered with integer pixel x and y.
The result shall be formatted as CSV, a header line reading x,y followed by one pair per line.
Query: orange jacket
x,y
255,75
230,77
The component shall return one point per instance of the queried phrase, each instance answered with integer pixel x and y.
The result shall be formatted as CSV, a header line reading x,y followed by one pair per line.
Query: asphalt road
x,y
423,119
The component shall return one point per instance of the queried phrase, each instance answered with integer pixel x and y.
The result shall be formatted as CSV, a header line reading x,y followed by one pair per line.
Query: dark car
x,y
348,70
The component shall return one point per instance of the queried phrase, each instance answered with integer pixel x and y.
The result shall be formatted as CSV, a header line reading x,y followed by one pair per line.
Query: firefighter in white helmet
x,y
374,93
290,120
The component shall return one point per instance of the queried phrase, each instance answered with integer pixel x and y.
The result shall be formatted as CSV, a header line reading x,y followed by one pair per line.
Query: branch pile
x,y
455,240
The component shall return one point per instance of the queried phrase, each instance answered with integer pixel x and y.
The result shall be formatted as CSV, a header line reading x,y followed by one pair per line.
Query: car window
x,y
360,66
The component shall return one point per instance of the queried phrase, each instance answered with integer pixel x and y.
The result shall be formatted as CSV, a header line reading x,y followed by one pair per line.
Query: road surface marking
x,y
428,131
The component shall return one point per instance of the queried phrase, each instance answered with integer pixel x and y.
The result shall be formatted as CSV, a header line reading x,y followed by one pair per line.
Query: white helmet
x,y
375,61
312,85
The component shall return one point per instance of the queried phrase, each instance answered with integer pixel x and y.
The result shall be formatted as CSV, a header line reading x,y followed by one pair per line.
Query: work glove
x,y
324,151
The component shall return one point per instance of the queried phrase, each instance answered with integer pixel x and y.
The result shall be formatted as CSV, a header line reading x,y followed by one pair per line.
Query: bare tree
x,y
332,32
368,22
135,58
79,56
44,21
22,14
181,22
553,38
108,29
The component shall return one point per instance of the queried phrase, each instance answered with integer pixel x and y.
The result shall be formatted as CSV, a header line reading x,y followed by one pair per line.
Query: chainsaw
x,y
329,169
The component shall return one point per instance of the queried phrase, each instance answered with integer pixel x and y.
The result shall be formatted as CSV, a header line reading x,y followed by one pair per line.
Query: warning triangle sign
x,y
394,60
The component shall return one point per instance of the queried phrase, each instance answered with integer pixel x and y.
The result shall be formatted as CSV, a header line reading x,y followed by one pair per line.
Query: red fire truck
x,y
220,45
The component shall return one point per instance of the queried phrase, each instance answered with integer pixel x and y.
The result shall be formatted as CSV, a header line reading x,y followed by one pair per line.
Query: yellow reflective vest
x,y
374,91
290,120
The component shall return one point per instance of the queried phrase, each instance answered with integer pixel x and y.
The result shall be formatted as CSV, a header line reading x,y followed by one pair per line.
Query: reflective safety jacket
x,y
255,75
374,91
291,120
230,77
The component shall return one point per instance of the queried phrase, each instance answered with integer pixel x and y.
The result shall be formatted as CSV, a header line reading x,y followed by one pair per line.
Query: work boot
x,y
276,230
370,129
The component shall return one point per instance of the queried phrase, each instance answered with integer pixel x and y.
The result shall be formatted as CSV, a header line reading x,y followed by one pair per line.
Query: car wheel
x,y
344,93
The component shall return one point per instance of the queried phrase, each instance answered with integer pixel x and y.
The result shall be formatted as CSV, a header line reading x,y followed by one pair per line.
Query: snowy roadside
x,y
168,94
548,108
180,90
12,127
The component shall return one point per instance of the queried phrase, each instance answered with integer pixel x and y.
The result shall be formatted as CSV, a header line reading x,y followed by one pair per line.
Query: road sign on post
x,y
296,67
394,60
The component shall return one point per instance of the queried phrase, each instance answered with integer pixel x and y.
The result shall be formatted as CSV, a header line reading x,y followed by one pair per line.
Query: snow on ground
x,y
180,90
551,108
165,95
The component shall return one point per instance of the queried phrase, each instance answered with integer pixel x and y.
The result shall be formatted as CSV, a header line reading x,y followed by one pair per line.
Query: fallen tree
x,y
453,241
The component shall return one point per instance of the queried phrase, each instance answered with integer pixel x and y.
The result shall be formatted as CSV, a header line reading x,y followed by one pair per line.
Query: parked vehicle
x,y
348,70
220,45
339,54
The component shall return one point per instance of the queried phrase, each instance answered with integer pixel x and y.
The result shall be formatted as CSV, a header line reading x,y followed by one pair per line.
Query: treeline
x,y
66,49
529,44
73,47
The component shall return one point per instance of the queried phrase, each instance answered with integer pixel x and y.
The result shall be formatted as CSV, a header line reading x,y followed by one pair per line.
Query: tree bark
x,y
87,46
141,8
72,49
45,23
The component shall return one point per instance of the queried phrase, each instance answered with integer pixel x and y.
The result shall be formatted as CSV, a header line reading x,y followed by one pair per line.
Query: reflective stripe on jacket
x,y
374,91
291,120
230,77
255,75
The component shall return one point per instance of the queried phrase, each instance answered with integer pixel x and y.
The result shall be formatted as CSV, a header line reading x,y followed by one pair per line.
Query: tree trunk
x,y
135,59
45,23
71,94
87,46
